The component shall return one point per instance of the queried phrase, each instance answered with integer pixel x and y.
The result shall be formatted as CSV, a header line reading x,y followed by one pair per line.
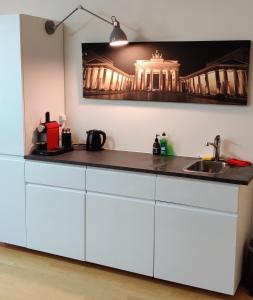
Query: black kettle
x,y
94,141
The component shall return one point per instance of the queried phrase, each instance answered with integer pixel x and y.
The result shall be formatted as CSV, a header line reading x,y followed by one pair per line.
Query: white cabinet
x,y
120,232
195,246
182,230
120,219
55,220
201,232
55,208
32,82
11,101
12,201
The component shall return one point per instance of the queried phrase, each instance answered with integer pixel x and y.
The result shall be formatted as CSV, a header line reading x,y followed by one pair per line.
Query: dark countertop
x,y
147,163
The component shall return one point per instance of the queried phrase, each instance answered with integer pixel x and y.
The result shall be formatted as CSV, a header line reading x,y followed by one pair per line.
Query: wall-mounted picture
x,y
208,72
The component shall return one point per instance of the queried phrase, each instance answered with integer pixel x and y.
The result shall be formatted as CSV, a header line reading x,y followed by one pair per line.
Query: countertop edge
x,y
140,170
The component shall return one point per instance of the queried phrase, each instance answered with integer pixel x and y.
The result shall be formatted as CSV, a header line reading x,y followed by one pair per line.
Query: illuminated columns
x,y
136,79
199,83
108,79
103,78
145,80
88,78
139,80
85,73
207,84
111,81
96,82
151,80
242,83
231,82
127,84
116,82
167,80
218,82
236,81
100,78
122,83
226,85
170,81
176,80
161,80
173,73
93,80
142,80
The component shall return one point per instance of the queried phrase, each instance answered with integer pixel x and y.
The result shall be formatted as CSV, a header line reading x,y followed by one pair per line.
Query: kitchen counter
x,y
147,163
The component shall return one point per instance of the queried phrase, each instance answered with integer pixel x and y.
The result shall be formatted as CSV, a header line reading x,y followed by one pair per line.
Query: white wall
x,y
132,125
43,74
31,68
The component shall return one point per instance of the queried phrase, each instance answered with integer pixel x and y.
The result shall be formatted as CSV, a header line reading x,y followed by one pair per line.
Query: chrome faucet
x,y
216,145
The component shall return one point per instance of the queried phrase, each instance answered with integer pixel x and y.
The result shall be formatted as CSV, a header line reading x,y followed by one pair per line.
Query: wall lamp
x,y
117,37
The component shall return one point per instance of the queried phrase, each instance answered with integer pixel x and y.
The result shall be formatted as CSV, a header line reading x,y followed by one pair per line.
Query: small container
x,y
156,146
66,138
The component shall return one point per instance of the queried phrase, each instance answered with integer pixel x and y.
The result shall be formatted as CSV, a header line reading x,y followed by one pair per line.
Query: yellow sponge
x,y
206,157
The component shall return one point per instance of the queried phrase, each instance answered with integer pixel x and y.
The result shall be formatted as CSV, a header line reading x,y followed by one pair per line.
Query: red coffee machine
x,y
48,138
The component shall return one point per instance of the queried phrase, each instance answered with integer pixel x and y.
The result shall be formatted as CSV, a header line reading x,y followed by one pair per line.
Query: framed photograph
x,y
207,72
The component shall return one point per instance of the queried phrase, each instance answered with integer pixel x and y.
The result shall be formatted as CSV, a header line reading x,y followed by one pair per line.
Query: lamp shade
x,y
118,36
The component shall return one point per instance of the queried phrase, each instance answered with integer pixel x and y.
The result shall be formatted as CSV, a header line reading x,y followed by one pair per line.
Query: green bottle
x,y
164,145
170,150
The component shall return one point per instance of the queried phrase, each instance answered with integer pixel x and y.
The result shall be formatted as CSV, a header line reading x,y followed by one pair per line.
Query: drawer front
x,y
123,183
60,175
212,195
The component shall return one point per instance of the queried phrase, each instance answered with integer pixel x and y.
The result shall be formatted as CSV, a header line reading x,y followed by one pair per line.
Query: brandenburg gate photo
x,y
157,74
159,79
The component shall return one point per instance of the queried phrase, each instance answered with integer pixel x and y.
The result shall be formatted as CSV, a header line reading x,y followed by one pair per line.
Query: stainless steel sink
x,y
207,167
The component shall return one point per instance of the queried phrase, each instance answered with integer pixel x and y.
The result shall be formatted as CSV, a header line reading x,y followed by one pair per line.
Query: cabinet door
x,y
120,232
195,246
55,220
11,98
12,201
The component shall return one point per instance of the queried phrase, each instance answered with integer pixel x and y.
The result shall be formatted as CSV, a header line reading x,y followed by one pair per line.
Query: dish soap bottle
x,y
156,146
164,145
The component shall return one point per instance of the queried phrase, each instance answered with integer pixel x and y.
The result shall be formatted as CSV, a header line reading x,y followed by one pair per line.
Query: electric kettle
x,y
95,140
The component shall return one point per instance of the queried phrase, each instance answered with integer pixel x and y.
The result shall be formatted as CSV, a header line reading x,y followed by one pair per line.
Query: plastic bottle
x,y
164,145
156,146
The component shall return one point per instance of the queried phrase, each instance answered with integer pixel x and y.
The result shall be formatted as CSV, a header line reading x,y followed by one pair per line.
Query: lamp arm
x,y
69,15
80,7
95,15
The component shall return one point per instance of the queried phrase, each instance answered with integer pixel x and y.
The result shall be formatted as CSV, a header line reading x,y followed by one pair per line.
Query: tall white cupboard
x,y
32,82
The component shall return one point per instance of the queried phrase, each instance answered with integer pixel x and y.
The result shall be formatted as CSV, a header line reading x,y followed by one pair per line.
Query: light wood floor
x,y
29,275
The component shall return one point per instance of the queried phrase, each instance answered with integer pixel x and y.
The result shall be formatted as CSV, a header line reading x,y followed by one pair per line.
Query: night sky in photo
x,y
192,56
